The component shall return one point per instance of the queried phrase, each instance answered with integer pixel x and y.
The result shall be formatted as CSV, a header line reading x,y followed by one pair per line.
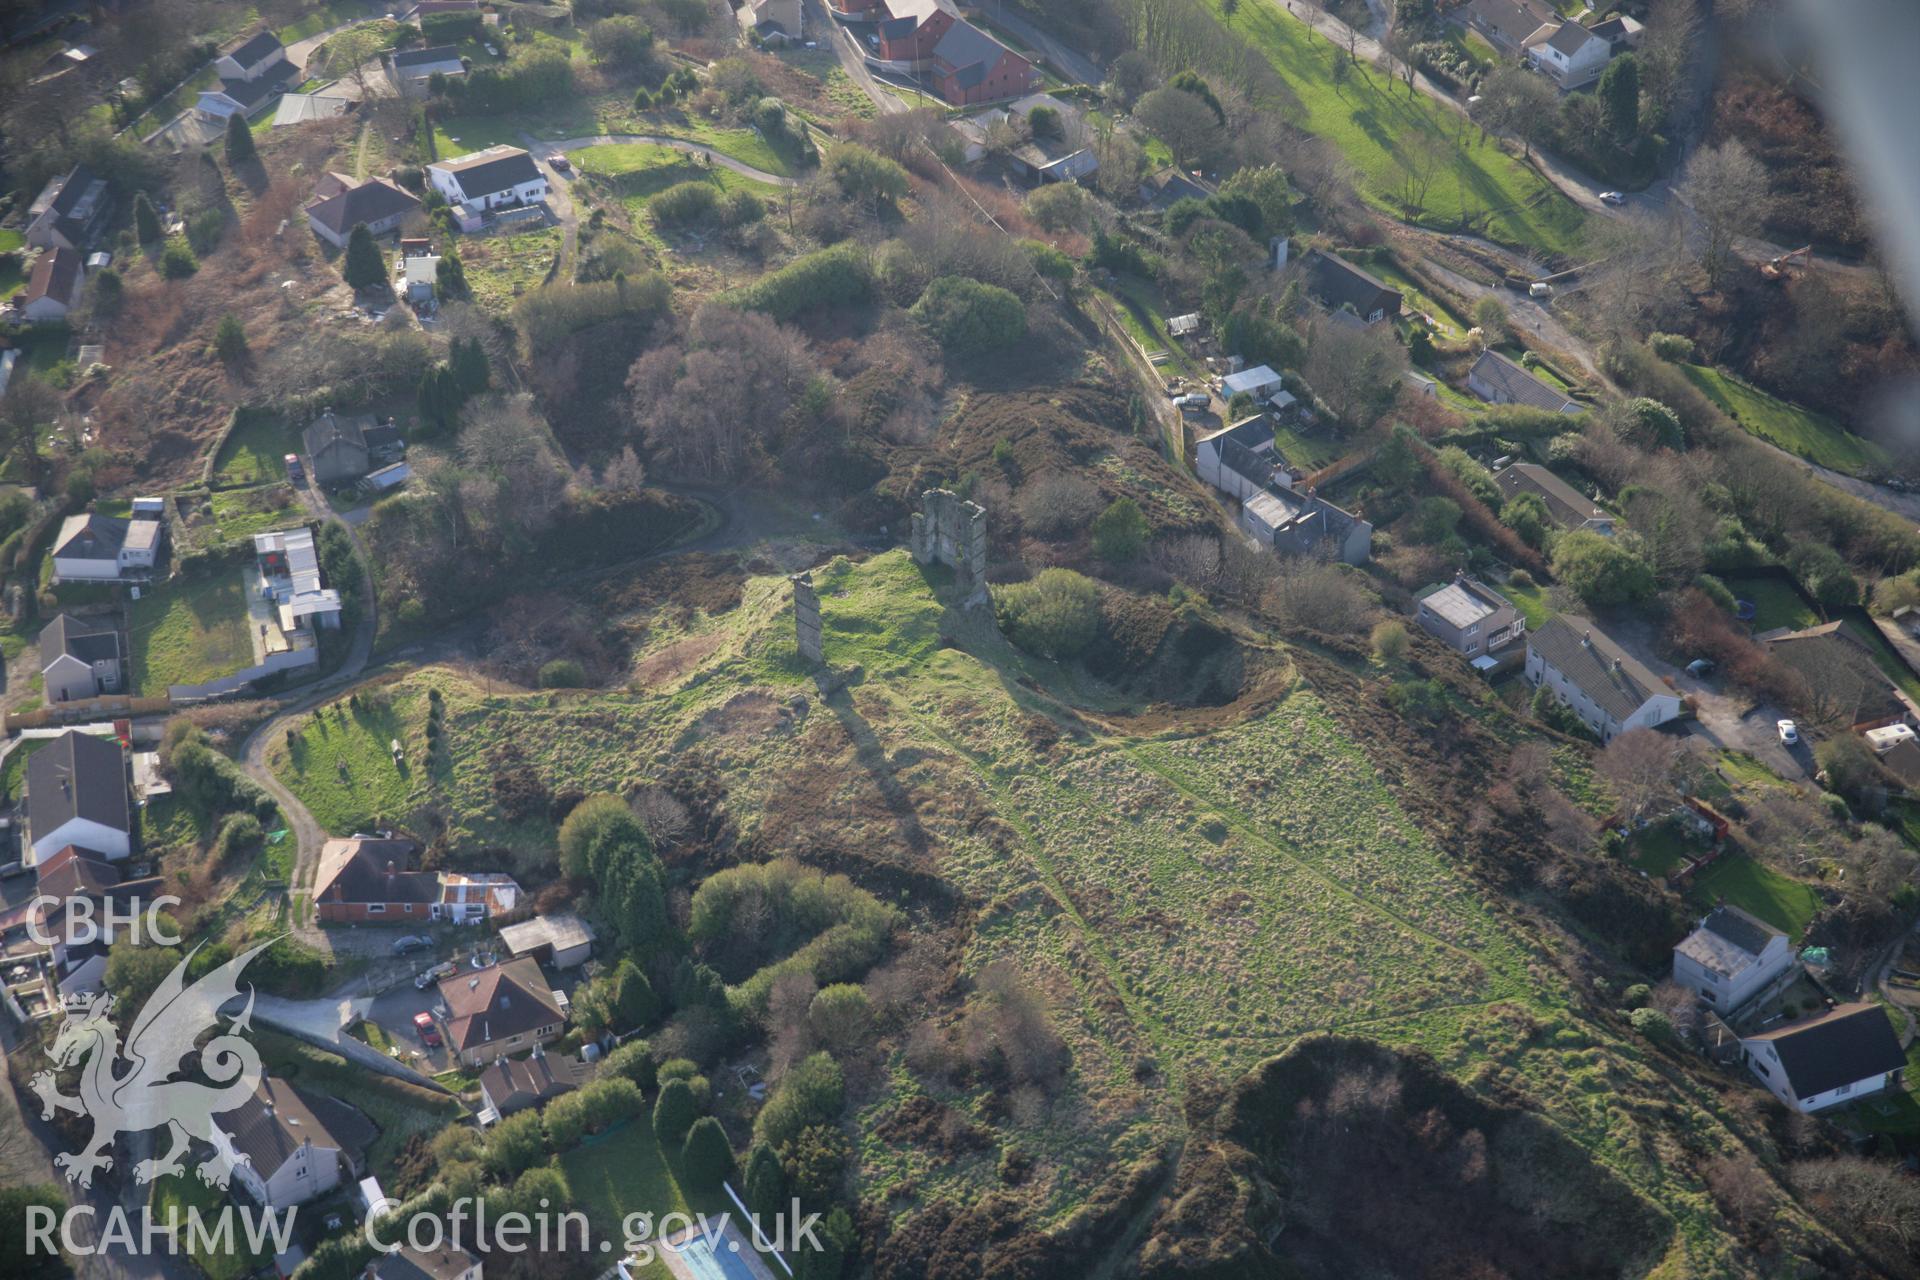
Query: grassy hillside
x,y
1190,897
1377,126
1815,437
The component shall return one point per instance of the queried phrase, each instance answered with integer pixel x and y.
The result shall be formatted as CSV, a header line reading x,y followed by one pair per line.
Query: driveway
x,y
1067,62
846,47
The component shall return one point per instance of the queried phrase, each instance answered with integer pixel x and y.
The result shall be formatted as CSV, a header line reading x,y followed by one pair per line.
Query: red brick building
x,y
959,61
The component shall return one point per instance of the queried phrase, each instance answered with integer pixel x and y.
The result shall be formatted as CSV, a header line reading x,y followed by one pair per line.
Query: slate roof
x,y
485,172
1244,462
1728,941
1337,283
74,200
356,870
330,429
1568,507
1618,682
77,775
970,51
1845,1044
1570,37
251,93
277,1120
512,1085
409,1263
497,1002
383,436
427,57
1829,655
257,48
1514,22
1254,432
1516,384
56,275
90,537
87,641
1301,521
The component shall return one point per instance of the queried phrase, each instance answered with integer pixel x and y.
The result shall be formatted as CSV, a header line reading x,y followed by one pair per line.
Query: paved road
x,y
1068,62
846,47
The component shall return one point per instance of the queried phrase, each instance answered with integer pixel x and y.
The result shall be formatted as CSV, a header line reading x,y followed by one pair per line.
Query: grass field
x,y
502,267
1812,436
624,1171
190,631
580,119
1660,849
1775,603
647,169
340,765
11,276
1450,324
255,450
1190,900
1781,902
1376,126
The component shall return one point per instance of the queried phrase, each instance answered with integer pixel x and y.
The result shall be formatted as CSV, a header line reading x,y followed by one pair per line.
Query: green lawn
x,y
1660,849
255,451
190,631
1531,601
175,1195
1375,125
1815,437
1417,299
336,13
645,169
341,767
1143,310
11,276
502,267
1781,902
624,1171
1775,603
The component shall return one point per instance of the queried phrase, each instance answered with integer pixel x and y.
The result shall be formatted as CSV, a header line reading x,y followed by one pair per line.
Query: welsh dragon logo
x,y
146,1096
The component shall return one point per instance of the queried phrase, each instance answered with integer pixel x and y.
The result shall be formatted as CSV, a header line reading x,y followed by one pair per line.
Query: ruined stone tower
x,y
806,618
952,531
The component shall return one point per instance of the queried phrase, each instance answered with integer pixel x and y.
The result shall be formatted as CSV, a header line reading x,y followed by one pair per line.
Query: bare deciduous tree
x,y
1727,188
1639,766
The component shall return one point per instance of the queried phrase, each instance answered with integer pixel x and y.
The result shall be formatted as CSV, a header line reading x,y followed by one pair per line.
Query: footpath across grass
x,y
1378,125
1815,437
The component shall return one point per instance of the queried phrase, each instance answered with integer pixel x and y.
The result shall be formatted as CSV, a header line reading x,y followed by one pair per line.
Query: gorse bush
x,y
835,277
1056,615
825,927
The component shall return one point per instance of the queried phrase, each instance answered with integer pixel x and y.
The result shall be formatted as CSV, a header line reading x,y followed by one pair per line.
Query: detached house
x,y
337,447
1342,287
69,211
97,548
78,659
1507,24
251,76
449,1262
296,1145
77,795
1567,507
339,205
369,880
775,20
411,70
1731,958
1846,1053
490,179
1498,380
501,1010
962,63
1568,54
1472,618
1607,687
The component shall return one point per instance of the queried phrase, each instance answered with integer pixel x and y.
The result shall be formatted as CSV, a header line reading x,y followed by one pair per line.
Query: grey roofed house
x,y
1613,678
1505,21
512,1085
250,94
1569,38
438,54
257,48
1240,459
1842,669
77,775
1728,941
484,173
1844,1045
1498,380
1567,507
91,537
371,870
449,1262
970,51
1303,524
87,641
338,446
68,210
1338,283
384,440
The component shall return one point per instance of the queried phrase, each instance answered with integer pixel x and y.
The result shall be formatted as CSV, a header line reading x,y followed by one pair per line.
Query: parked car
x,y
1789,733
429,1034
1539,289
445,968
412,942
295,472
1612,197
1198,400
1700,668
563,164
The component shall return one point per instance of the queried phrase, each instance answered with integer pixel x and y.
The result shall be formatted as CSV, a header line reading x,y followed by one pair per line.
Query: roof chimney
x,y
1586,638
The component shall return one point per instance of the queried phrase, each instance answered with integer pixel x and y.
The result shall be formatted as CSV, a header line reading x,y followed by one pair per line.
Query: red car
x,y
423,1023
